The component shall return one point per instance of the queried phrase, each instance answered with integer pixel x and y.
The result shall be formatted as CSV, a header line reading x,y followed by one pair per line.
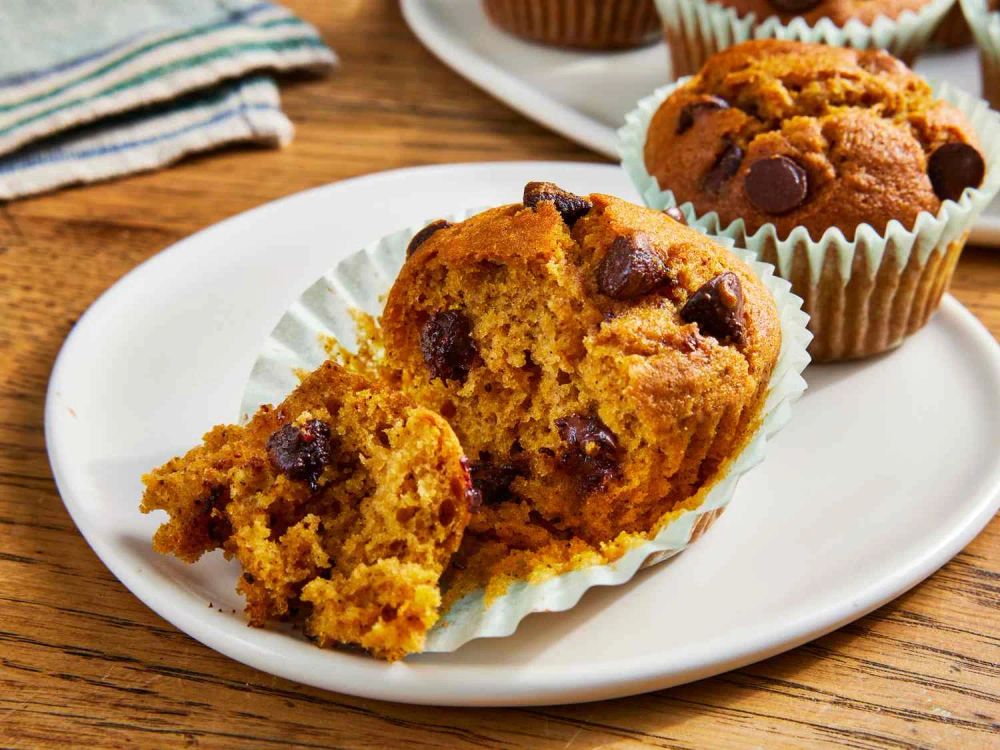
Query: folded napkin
x,y
90,89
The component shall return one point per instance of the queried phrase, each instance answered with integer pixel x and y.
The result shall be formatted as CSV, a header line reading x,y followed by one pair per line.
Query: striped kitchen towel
x,y
91,89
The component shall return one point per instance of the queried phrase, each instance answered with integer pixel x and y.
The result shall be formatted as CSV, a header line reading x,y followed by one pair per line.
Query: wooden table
x,y
84,663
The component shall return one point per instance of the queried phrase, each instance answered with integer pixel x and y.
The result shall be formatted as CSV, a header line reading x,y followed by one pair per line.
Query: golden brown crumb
x,y
343,505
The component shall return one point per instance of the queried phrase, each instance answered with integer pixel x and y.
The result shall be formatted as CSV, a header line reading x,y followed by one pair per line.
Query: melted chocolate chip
x,y
571,207
717,309
776,185
492,479
422,236
213,506
631,268
591,450
794,6
301,453
953,167
692,110
725,167
447,345
676,214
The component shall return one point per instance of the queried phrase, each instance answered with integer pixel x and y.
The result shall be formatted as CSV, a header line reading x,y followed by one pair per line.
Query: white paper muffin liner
x,y
362,280
834,258
697,29
985,25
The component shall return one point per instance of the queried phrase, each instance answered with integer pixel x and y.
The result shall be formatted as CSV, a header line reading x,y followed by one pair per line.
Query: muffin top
x,y
838,11
809,135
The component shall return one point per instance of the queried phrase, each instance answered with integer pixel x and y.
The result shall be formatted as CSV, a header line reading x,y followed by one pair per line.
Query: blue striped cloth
x,y
92,89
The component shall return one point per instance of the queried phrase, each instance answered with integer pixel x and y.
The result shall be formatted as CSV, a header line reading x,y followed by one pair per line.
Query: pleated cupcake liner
x,y
985,25
863,295
582,24
361,281
697,29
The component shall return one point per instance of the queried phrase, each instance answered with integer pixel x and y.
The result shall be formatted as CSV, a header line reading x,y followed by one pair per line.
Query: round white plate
x,y
585,95
888,468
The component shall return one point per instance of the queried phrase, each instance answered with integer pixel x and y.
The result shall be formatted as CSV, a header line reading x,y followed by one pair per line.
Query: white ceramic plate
x,y
888,468
585,95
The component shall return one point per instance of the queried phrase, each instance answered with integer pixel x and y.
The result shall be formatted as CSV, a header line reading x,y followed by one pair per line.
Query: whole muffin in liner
x,y
579,24
984,20
328,311
697,29
864,295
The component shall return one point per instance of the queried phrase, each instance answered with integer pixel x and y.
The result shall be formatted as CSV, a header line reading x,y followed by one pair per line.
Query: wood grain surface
x,y
84,663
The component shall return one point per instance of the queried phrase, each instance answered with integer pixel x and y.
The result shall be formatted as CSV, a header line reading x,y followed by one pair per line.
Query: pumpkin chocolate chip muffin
x,y
814,136
813,156
343,505
600,362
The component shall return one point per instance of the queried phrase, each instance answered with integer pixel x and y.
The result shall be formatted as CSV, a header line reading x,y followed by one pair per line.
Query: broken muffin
x,y
600,363
343,505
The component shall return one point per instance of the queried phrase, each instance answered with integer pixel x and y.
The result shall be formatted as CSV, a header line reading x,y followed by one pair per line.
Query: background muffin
x,y
838,166
984,20
584,24
697,29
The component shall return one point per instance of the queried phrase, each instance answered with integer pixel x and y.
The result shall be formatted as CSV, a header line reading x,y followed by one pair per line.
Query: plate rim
x,y
541,685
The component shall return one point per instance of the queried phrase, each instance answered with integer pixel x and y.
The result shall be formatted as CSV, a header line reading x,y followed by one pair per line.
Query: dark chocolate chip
x,y
676,214
692,110
422,236
591,451
447,345
794,6
631,268
571,207
725,167
717,309
213,507
301,453
492,479
447,512
776,185
953,167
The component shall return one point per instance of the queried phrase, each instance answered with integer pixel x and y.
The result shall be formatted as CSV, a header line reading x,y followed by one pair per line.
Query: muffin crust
x,y
861,126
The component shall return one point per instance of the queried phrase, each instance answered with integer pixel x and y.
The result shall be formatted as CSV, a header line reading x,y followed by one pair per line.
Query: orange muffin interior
x,y
343,505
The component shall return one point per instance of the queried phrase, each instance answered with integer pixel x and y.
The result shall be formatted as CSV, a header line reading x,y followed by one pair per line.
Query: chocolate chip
x,y
776,185
301,453
631,268
447,345
492,479
717,309
676,214
213,507
591,453
953,167
422,236
725,167
571,207
794,6
692,110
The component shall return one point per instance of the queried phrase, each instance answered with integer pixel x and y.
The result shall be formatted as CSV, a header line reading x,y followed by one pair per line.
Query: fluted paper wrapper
x,y
863,295
581,24
697,29
985,25
361,281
